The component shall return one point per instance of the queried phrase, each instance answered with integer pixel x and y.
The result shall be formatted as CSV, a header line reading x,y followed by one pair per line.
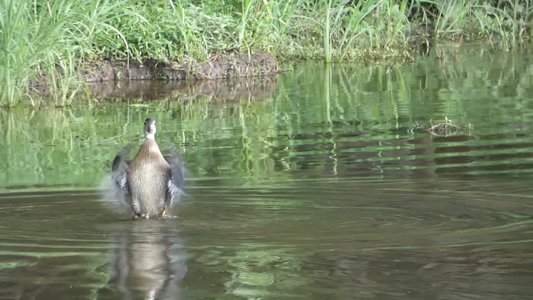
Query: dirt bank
x,y
222,66
153,78
232,89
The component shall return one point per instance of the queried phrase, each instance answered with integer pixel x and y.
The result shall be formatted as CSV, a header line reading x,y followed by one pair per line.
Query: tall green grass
x,y
45,42
22,42
42,43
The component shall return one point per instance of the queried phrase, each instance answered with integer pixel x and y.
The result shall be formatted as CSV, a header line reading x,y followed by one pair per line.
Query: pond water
x,y
321,184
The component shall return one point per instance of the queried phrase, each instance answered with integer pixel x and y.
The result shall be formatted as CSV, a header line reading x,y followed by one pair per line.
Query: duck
x,y
150,183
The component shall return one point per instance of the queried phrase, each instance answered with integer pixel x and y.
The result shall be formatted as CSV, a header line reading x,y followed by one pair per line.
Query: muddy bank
x,y
223,66
224,77
232,89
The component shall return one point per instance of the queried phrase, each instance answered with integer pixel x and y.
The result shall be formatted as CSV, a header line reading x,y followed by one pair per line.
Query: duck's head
x,y
149,128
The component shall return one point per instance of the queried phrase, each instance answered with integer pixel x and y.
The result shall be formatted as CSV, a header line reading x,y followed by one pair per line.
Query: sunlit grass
x,y
44,42
39,38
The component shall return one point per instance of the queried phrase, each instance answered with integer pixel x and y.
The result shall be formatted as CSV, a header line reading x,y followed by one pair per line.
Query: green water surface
x,y
322,184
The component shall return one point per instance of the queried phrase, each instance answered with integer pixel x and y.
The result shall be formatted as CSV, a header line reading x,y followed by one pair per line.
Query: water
x,y
322,185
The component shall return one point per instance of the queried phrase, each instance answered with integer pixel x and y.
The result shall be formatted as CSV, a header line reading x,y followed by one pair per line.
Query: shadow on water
x,y
322,187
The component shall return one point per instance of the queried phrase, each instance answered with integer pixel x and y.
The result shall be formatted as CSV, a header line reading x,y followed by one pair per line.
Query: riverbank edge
x,y
223,66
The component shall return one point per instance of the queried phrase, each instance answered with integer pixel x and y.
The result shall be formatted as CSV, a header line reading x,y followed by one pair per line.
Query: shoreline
x,y
63,44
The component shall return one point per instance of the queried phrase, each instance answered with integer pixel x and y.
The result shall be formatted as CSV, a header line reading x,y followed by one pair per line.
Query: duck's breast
x,y
148,179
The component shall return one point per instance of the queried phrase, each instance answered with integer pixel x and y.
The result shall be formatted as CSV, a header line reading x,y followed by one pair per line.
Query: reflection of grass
x,y
259,271
47,148
358,101
255,141
60,147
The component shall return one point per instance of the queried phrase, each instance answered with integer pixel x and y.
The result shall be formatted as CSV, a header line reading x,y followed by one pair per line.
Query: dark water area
x,y
323,183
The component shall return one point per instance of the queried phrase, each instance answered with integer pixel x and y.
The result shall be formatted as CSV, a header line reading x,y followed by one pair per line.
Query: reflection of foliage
x,y
52,147
263,273
74,147
316,116
353,126
258,270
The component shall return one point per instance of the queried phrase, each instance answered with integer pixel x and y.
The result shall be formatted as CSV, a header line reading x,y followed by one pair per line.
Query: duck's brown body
x,y
150,183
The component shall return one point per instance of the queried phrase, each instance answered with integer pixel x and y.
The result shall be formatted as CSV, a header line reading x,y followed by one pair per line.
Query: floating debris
x,y
446,128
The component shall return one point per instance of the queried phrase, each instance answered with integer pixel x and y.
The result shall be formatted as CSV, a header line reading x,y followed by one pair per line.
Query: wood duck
x,y
151,182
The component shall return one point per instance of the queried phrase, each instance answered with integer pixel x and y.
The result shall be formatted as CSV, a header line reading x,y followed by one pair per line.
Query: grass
x,y
38,38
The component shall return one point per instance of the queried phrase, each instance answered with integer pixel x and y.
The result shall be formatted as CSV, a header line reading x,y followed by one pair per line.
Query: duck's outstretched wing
x,y
176,182
119,176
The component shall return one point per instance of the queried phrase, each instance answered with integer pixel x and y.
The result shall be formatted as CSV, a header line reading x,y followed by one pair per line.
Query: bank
x,y
56,46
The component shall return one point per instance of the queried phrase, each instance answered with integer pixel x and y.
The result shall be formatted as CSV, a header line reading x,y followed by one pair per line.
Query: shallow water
x,y
328,187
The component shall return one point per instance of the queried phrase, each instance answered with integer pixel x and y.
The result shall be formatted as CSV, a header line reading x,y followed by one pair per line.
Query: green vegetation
x,y
316,113
38,38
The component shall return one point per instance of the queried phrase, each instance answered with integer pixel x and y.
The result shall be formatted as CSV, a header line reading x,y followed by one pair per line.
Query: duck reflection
x,y
149,260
